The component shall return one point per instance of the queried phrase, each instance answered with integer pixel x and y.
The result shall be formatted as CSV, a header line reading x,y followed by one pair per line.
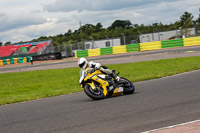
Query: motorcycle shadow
x,y
108,97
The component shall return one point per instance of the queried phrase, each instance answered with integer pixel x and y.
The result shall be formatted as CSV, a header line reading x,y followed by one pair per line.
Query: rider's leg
x,y
105,70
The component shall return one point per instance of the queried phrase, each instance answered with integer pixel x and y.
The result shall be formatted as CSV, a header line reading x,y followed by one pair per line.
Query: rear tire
x,y
96,95
130,89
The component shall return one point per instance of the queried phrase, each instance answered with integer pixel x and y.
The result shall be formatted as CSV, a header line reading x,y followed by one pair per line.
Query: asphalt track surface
x,y
155,104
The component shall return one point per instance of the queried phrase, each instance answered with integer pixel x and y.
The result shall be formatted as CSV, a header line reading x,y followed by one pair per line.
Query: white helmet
x,y
82,62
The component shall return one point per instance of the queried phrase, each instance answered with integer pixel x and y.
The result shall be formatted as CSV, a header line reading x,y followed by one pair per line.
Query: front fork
x,y
105,92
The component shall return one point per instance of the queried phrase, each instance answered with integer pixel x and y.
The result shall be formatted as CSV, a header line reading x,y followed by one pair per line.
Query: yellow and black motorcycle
x,y
98,85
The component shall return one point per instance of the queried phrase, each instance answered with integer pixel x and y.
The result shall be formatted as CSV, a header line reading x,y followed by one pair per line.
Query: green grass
x,y
24,86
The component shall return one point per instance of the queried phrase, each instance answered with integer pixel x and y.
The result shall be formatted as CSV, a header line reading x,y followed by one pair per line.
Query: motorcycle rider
x,y
83,64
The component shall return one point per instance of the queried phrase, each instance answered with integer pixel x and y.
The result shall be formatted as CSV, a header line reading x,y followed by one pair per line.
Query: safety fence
x,y
15,60
139,47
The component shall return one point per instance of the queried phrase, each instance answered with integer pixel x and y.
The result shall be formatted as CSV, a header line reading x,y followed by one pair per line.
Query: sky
x,y
24,20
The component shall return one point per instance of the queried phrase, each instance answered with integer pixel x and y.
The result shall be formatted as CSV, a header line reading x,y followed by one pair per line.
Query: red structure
x,y
9,50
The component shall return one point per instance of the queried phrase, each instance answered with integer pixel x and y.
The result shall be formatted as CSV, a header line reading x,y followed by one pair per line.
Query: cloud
x,y
51,28
26,20
107,11
168,12
19,20
95,5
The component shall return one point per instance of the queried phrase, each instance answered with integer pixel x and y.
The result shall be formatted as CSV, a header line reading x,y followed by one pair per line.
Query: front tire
x,y
130,88
94,94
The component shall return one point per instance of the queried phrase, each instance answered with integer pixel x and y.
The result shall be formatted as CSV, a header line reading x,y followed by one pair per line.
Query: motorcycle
x,y
97,85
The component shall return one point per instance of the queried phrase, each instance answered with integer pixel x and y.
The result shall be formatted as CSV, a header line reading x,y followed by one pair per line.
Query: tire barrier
x,y
119,49
133,48
138,47
106,51
1,62
192,41
172,43
82,53
150,46
15,60
8,61
4,62
94,52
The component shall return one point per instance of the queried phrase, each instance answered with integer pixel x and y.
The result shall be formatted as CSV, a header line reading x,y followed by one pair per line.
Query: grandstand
x,y
25,48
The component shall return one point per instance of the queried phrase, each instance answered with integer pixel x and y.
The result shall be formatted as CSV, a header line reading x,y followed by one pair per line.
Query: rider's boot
x,y
111,86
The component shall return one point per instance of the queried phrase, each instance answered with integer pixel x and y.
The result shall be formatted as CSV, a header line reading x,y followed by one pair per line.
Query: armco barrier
x,y
191,41
172,43
94,52
106,51
133,48
119,49
150,46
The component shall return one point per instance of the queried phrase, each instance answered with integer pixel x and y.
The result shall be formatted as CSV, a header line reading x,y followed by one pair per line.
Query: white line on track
x,y
182,124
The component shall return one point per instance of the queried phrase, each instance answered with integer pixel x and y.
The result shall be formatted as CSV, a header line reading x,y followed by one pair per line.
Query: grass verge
x,y
24,86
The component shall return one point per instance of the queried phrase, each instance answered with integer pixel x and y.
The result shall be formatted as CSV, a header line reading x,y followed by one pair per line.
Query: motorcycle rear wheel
x,y
94,94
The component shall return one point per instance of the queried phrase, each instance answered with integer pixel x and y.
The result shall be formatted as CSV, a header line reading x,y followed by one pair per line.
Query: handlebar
x,y
93,70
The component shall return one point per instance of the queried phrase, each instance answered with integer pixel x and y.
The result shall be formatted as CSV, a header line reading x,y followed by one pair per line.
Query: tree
x,y
69,32
43,38
121,23
98,27
186,20
7,43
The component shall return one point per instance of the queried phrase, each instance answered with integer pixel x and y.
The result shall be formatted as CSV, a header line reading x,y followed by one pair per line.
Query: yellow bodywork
x,y
117,92
94,77
103,84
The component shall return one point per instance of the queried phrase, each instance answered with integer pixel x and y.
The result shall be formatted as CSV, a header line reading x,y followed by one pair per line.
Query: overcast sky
x,y
24,20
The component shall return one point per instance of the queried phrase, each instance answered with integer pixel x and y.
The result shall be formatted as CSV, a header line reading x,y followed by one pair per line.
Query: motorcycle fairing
x,y
103,83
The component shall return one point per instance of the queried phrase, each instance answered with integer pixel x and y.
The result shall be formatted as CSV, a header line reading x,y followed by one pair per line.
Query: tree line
x,y
117,28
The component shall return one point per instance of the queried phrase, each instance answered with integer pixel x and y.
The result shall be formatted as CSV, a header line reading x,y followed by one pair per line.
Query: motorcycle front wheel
x,y
130,88
96,94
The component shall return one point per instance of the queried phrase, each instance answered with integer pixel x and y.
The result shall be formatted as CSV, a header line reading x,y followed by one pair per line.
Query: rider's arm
x,y
94,65
81,77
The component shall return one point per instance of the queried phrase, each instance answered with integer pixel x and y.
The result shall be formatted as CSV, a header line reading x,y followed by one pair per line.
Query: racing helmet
x,y
82,62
